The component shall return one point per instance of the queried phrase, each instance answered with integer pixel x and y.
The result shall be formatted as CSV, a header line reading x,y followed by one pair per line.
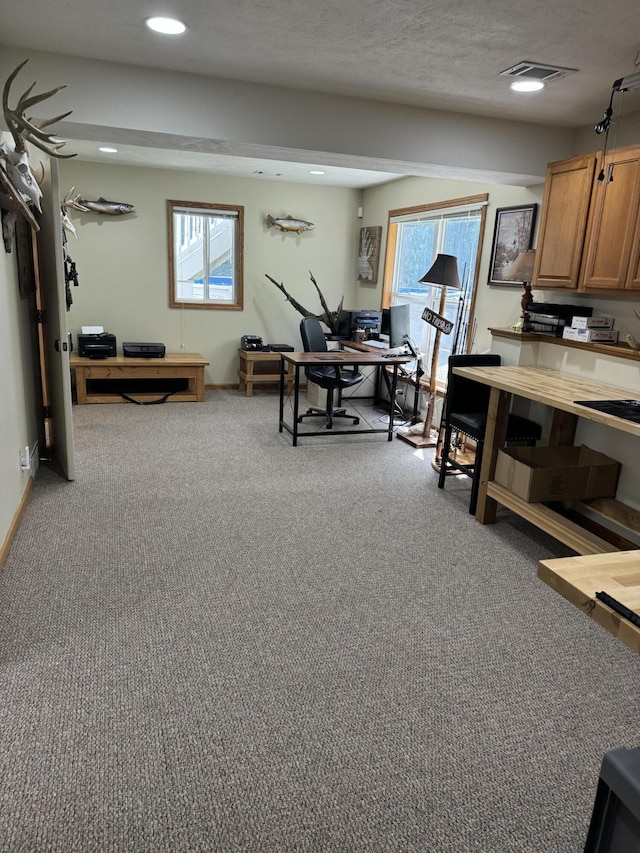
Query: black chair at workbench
x,y
465,411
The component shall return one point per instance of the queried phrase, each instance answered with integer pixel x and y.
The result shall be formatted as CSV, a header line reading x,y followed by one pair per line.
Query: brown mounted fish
x,y
288,223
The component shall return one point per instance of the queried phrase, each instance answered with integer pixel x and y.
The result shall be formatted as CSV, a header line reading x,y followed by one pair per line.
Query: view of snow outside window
x,y
204,242
417,245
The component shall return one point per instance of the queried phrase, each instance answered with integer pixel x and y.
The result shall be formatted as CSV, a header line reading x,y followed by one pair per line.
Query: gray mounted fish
x,y
288,223
100,205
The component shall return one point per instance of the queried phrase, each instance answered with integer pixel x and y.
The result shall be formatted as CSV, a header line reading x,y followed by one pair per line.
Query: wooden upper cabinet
x,y
633,276
612,228
565,207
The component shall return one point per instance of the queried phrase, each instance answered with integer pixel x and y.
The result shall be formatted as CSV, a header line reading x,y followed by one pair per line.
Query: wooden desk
x,y
300,360
557,390
579,578
183,365
247,361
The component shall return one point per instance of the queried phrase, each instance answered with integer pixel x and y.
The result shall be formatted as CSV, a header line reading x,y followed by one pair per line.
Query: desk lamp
x,y
522,270
444,274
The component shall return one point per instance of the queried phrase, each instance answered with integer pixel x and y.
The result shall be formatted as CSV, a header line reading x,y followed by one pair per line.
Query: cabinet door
x,y
565,206
612,222
633,276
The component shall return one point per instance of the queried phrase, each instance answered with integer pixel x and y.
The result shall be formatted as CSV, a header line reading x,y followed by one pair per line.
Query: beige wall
x,y
122,261
495,305
149,107
123,266
17,391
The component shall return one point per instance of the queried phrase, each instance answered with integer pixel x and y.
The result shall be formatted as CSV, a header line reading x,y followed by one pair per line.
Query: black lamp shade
x,y
444,272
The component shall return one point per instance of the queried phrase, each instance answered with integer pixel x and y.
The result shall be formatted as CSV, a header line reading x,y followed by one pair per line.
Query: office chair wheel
x,y
356,421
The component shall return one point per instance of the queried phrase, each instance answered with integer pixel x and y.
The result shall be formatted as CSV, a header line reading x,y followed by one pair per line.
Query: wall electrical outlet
x,y
25,459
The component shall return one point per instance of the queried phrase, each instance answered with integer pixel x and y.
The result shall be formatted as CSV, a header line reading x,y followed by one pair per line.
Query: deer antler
x,y
24,129
329,318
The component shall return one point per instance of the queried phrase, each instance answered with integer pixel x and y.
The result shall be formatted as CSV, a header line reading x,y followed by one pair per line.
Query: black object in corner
x,y
615,821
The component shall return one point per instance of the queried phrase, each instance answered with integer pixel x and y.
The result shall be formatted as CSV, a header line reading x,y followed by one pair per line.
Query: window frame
x,y
426,211
237,304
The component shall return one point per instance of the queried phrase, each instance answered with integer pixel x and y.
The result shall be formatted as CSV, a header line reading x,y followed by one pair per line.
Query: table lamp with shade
x,y
443,273
522,270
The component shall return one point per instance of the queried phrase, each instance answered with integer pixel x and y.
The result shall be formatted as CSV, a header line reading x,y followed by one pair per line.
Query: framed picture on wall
x,y
369,253
513,233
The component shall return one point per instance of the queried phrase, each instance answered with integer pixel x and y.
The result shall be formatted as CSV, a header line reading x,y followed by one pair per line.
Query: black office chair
x,y
465,411
331,377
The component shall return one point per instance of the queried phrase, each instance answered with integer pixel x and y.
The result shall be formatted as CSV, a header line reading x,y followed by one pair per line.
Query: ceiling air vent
x,y
537,71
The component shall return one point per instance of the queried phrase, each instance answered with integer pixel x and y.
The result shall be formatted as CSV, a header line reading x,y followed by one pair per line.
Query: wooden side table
x,y
268,373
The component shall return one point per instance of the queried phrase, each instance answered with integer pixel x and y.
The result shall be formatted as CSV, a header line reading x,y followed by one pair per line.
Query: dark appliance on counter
x,y
550,318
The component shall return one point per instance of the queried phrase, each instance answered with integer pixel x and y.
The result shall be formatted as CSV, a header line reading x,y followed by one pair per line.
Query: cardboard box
x,y
557,473
592,322
587,336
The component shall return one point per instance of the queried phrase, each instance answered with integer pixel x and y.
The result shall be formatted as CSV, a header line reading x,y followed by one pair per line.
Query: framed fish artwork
x,y
369,253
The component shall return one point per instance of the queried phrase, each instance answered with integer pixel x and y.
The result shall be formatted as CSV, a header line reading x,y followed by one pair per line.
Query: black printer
x,y
132,349
99,345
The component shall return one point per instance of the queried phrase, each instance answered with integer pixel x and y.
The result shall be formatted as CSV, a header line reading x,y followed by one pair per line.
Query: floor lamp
x,y
444,274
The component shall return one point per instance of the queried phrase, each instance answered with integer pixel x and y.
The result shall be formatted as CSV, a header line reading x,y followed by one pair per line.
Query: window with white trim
x,y
414,237
205,255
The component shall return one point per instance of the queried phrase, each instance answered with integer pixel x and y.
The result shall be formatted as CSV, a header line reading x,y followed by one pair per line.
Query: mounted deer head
x,y
17,182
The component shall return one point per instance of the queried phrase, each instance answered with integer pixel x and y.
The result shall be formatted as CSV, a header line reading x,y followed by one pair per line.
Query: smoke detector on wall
x,y
529,76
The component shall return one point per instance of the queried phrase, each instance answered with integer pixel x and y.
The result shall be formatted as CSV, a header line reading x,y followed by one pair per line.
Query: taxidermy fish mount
x,y
100,205
288,223
18,186
329,318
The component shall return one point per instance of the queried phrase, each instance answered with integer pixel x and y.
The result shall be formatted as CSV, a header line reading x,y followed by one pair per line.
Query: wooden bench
x,y
112,371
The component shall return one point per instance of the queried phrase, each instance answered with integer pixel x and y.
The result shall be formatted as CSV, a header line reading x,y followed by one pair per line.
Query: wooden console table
x,y
248,359
189,366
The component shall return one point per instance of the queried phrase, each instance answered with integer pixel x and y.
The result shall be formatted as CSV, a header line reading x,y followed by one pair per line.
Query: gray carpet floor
x,y
213,641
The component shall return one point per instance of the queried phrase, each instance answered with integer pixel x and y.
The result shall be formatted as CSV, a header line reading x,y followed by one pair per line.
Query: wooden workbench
x,y
579,578
184,365
558,391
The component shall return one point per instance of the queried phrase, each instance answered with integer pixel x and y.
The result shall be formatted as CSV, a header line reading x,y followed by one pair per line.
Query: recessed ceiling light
x,y
527,85
317,172
107,149
166,26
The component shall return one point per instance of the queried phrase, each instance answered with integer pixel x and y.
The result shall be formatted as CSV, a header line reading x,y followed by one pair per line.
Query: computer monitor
x,y
344,325
399,325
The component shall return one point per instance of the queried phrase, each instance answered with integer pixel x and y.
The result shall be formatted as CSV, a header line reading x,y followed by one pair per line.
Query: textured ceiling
x,y
432,54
